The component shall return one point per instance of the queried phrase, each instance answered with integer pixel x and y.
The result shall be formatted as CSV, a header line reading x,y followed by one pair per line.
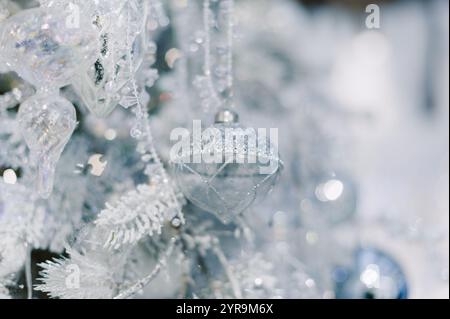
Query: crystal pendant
x,y
46,46
47,122
104,84
98,94
224,175
373,275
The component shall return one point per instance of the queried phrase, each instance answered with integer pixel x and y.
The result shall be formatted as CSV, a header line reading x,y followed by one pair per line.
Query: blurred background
x,y
382,100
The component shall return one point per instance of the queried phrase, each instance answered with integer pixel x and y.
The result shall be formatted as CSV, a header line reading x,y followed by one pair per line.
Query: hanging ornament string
x,y
230,35
142,131
227,7
207,52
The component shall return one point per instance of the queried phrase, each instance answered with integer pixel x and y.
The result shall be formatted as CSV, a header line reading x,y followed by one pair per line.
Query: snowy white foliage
x,y
80,276
22,219
141,212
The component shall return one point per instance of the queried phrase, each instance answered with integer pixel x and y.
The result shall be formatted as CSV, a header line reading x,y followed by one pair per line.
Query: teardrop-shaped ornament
x,y
47,121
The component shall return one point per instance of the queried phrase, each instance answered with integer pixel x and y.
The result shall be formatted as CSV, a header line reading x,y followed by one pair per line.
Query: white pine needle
x,y
139,213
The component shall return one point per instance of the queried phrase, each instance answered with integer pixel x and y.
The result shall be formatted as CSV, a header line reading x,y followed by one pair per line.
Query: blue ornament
x,y
373,275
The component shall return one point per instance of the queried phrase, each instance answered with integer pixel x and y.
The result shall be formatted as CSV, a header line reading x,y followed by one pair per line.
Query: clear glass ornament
x,y
239,174
46,46
373,275
47,122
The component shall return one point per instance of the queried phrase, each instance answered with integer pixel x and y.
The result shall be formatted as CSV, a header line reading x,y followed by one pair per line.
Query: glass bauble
x,y
373,275
46,46
224,176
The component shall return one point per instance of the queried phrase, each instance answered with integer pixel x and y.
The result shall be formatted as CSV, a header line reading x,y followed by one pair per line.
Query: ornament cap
x,y
226,116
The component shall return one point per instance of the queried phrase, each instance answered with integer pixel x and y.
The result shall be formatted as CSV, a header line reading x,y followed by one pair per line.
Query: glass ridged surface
x,y
229,186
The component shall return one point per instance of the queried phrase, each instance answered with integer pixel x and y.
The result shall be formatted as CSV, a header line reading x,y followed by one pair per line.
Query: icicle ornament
x,y
104,84
47,46
47,122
